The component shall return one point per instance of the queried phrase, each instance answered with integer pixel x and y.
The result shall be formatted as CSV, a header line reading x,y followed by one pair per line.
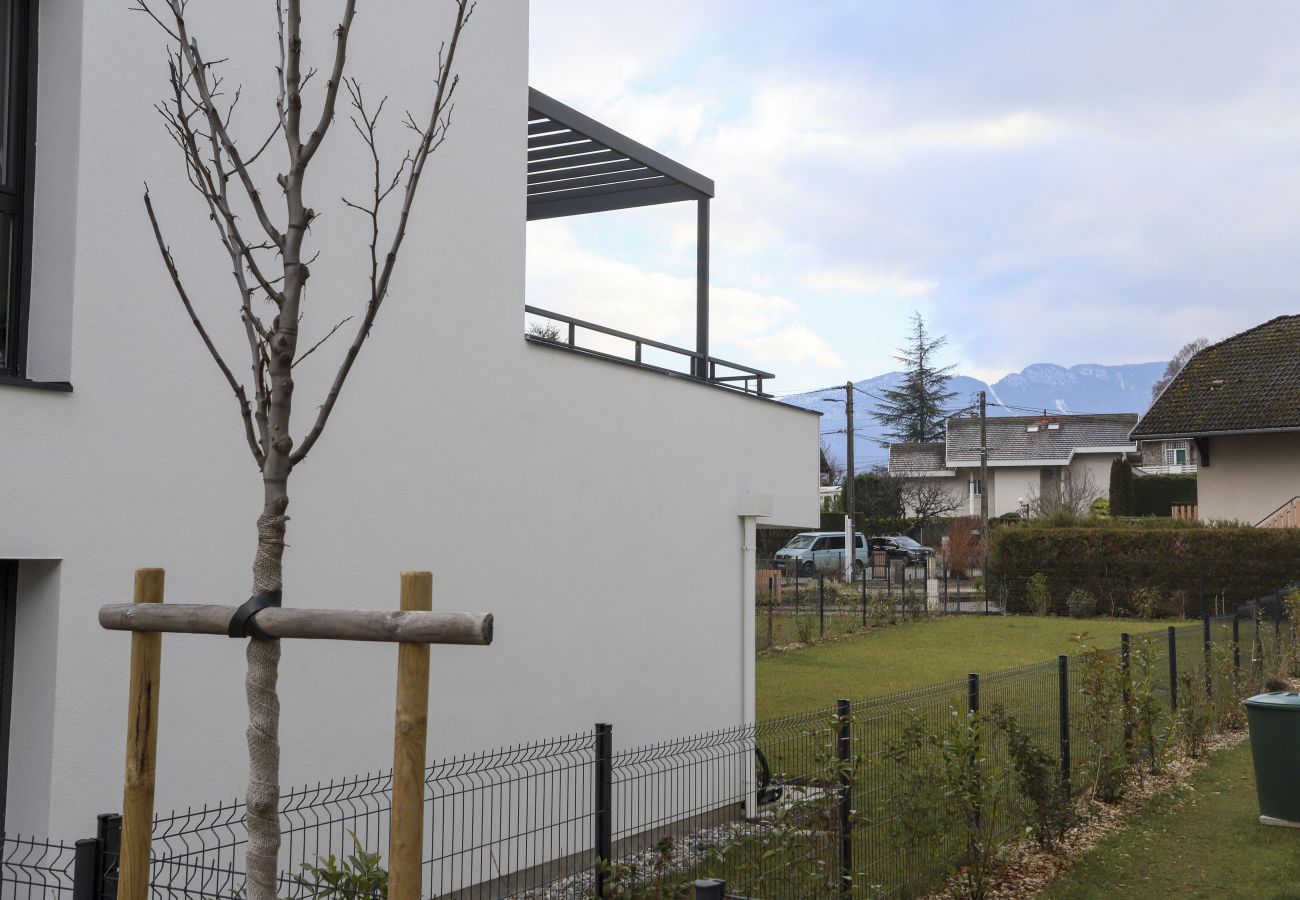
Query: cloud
x,y
1070,182
854,280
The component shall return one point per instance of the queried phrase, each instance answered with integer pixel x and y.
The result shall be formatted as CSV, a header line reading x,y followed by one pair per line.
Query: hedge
x,y
1190,570
1153,494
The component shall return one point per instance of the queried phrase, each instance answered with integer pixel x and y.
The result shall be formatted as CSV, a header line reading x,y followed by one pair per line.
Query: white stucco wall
x,y
610,554
1248,476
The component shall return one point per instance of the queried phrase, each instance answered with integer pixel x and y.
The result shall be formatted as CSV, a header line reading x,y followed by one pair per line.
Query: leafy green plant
x,y
1037,780
1038,595
805,627
1147,708
1146,603
1101,695
948,779
358,875
1081,604
1195,719
660,879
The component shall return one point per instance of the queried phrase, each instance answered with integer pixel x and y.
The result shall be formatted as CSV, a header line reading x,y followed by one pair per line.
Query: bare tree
x,y
1070,494
271,267
832,470
1181,358
928,498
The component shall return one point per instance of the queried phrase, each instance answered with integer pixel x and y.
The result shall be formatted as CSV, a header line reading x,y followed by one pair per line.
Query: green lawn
x,y
914,655
1203,842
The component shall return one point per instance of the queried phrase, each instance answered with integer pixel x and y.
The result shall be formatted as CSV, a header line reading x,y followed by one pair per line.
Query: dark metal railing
x,y
735,376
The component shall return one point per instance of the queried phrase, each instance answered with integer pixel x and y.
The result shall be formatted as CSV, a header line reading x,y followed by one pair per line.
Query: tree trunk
x,y
262,803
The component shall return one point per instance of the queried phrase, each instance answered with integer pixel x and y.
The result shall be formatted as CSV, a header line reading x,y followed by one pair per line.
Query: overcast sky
x,y
1046,181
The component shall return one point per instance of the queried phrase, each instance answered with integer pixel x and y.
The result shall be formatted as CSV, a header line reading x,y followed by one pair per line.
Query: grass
x,y
1199,843
904,657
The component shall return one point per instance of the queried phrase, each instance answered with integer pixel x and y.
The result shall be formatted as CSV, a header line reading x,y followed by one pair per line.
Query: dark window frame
x,y
22,126
8,621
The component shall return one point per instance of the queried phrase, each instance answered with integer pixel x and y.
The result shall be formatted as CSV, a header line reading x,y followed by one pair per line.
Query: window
x,y
1175,453
832,543
15,159
976,487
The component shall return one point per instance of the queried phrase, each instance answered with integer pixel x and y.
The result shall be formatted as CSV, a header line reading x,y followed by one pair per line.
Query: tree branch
x,y
244,410
430,137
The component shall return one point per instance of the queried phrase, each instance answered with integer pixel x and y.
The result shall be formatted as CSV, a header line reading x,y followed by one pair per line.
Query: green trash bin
x,y
1274,720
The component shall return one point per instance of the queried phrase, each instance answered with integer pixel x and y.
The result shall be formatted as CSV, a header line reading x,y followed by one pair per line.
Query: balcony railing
x,y
1185,469
711,369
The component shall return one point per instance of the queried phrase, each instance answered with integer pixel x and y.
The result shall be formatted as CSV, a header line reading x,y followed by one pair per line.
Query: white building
x,y
1028,457
615,555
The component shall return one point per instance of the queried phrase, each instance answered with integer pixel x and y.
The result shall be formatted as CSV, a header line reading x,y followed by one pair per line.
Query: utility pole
x,y
850,536
984,490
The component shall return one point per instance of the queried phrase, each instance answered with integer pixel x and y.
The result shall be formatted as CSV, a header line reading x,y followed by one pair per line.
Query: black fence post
x,y
1205,637
821,604
844,756
771,609
1236,648
1063,685
84,871
710,889
604,819
959,591
1126,675
1173,669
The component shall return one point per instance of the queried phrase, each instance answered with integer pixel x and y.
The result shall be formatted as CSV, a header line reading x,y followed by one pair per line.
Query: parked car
x,y
902,547
812,551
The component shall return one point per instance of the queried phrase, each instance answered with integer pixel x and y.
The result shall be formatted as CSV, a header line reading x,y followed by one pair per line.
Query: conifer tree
x,y
914,412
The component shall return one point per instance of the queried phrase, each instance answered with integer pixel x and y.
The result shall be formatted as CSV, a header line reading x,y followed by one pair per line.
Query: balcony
x,y
1184,469
577,166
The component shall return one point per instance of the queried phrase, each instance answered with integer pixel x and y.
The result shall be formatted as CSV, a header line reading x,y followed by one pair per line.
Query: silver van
x,y
810,552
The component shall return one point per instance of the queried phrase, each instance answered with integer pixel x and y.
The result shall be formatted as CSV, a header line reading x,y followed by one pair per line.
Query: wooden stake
x,y
410,735
141,747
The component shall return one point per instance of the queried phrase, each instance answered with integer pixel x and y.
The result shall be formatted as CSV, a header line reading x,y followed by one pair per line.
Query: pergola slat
x,y
625,176
622,165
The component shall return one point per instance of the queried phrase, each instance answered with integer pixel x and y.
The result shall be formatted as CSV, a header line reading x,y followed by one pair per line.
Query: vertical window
x,y
1176,453
8,610
14,164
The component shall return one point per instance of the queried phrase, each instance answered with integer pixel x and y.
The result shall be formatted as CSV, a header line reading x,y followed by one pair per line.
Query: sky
x,y
1044,181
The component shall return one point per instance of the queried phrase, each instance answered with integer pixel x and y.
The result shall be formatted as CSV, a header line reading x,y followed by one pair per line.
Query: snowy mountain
x,y
1078,389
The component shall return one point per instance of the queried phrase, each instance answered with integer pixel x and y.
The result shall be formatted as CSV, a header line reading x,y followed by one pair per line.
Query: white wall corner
x,y
752,504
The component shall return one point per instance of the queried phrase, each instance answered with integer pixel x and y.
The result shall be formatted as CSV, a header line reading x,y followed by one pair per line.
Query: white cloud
x,y
856,280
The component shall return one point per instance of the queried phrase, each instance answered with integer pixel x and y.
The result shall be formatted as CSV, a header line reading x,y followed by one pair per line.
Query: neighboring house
x,y
1172,457
627,492
1238,403
1028,457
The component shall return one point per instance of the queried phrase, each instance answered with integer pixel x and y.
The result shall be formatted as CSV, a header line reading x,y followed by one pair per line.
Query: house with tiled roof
x,y
1238,403
1028,457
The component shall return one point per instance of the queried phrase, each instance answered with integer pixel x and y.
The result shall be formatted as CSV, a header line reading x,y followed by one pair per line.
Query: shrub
x,y
661,879
1037,594
1113,558
1154,494
1101,719
948,777
359,875
1147,603
965,547
1100,507
1038,780
1081,604
1147,708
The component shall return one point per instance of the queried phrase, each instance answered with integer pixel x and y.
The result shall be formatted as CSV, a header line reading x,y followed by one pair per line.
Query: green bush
x,y
1147,603
1037,595
1195,567
1122,490
1154,494
1081,604
358,875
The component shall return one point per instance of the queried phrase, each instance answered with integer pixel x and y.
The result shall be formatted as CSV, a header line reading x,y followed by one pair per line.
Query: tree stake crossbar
x,y
414,628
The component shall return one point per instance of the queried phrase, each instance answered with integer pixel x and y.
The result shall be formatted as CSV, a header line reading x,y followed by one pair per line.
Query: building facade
x,y
124,448
1034,462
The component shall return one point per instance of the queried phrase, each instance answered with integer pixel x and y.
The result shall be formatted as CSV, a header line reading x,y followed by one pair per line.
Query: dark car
x,y
902,547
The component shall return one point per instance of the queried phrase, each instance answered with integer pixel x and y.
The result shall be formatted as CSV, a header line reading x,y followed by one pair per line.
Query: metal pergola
x,y
576,165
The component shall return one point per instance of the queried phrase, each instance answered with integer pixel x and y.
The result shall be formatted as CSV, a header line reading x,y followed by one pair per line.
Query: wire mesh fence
x,y
855,799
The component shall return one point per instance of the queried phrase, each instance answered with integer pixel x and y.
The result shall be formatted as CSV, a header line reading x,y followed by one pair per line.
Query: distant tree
x,y
927,498
1071,495
914,412
544,331
1121,488
831,468
876,495
1181,358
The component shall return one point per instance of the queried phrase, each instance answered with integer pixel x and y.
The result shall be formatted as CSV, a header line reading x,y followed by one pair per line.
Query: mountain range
x,y
1042,386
